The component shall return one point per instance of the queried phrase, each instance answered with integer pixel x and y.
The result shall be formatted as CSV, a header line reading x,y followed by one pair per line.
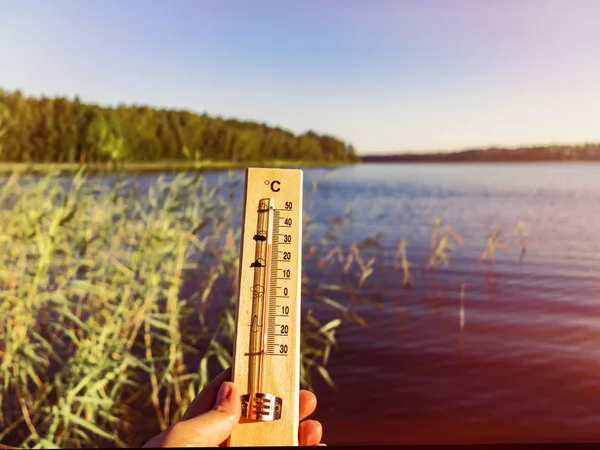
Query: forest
x,y
60,130
584,152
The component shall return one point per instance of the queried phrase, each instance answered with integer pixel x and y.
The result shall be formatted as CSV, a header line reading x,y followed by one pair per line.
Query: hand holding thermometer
x,y
266,353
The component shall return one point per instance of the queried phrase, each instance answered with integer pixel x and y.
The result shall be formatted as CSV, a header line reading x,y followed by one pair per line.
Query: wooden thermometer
x,y
266,352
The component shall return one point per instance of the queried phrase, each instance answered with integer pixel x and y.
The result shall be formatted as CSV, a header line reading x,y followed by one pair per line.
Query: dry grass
x,y
116,303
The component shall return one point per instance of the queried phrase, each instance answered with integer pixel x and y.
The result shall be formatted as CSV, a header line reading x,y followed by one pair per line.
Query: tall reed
x,y
118,303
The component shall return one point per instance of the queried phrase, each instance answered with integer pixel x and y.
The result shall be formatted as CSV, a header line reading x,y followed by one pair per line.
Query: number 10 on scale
x,y
266,365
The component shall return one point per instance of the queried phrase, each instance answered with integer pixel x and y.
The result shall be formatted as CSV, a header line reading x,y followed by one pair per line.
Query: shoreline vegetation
x,y
60,133
153,167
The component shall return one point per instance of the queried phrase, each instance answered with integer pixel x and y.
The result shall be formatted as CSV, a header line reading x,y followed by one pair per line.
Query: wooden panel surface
x,y
282,367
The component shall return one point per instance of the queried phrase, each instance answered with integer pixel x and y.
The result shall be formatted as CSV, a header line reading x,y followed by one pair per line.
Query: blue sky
x,y
384,75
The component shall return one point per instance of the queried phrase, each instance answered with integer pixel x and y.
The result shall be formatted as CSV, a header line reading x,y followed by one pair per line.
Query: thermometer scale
x,y
266,353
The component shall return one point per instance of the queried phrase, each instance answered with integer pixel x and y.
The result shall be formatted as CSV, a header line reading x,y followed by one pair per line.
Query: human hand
x,y
214,413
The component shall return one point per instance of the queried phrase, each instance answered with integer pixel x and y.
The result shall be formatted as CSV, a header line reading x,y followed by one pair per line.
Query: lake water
x,y
526,365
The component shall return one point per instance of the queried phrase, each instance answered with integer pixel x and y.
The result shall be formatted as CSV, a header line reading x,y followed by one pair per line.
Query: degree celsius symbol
x,y
274,185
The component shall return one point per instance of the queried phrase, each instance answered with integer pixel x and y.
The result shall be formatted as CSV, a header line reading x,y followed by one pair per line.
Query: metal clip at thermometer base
x,y
261,407
266,354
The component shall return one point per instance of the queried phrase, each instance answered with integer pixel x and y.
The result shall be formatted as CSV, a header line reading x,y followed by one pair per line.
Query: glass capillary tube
x,y
260,292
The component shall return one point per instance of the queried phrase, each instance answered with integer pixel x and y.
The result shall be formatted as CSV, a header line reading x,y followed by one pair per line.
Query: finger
x,y
308,403
215,426
205,400
310,433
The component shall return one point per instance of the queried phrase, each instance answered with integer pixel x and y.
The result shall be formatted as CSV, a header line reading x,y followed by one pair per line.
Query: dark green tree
x,y
63,130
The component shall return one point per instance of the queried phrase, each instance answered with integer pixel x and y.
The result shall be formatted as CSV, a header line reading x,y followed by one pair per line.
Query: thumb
x,y
215,426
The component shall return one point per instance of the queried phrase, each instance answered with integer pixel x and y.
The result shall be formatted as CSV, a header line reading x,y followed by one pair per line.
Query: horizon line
x,y
478,148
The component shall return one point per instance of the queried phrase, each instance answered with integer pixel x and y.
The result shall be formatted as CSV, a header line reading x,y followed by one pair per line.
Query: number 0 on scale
x,y
266,353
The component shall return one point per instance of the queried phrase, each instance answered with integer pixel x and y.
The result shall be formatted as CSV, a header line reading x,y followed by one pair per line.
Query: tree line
x,y
56,130
584,152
